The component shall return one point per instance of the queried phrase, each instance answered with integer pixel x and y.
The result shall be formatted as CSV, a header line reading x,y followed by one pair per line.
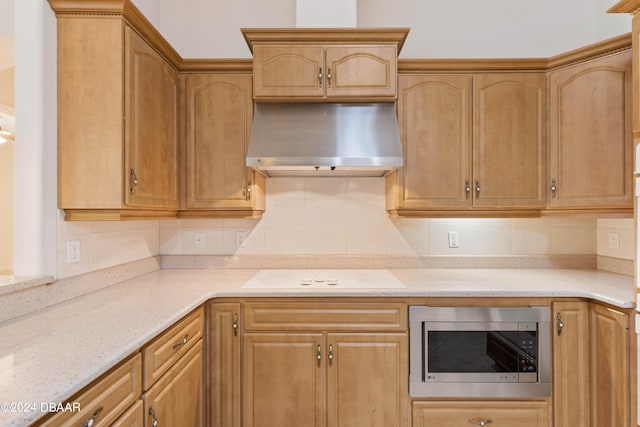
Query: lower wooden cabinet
x,y
175,400
223,337
481,413
104,401
134,417
610,367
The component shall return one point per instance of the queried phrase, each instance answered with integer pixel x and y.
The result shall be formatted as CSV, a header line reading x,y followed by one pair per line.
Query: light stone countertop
x,y
50,355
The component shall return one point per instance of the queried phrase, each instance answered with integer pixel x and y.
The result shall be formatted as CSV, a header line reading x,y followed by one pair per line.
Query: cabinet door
x,y
224,364
590,134
367,380
434,114
283,380
219,116
151,127
361,71
176,399
134,417
610,371
509,140
571,383
286,71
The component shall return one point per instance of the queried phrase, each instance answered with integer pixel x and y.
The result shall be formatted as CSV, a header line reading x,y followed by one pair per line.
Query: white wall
x,y
439,29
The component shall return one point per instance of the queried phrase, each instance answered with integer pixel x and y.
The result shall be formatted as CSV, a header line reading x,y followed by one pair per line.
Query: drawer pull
x,y
154,422
480,422
319,354
330,353
181,343
91,421
560,323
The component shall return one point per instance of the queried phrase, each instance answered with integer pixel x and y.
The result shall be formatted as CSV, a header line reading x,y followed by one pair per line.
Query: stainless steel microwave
x,y
480,351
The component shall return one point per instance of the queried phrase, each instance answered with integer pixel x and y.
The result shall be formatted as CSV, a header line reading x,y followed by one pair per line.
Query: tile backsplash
x,y
336,216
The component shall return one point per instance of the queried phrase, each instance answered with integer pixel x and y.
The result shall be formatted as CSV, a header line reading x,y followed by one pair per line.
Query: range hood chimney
x,y
325,139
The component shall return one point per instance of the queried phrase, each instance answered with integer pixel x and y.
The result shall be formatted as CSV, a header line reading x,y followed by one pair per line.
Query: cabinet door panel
x,y
571,364
367,380
509,140
151,127
281,71
224,365
590,134
434,117
609,367
283,382
219,111
176,399
361,71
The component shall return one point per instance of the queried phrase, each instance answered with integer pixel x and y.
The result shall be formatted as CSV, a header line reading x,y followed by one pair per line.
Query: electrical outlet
x,y
199,239
614,240
241,239
454,241
73,251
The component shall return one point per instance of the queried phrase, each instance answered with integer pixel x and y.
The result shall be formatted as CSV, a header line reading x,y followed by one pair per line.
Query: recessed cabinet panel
x,y
434,117
590,134
288,71
283,380
509,140
151,127
219,111
357,70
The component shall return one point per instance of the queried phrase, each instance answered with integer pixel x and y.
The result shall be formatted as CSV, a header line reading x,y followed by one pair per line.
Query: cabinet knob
x,y
554,187
320,76
247,192
477,189
480,422
329,76
319,354
94,417
467,188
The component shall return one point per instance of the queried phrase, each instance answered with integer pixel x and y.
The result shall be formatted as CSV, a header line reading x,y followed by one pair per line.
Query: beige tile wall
x,y
347,216
336,216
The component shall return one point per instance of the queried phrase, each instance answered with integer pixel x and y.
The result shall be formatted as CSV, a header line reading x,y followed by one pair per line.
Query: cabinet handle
x,y
330,357
320,77
134,181
467,188
560,323
182,342
91,421
554,187
247,192
319,354
480,422
477,189
154,422
329,76
234,325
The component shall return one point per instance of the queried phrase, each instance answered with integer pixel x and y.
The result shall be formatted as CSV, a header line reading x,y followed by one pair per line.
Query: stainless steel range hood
x,y
325,139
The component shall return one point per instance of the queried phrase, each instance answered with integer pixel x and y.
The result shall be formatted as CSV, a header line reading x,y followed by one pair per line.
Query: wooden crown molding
x,y
128,12
596,50
625,6
395,36
203,65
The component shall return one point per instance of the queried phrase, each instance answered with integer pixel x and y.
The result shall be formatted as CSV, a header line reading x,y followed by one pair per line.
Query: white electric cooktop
x,y
324,278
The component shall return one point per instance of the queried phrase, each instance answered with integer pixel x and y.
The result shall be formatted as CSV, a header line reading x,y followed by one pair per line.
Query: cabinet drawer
x,y
106,399
165,350
322,316
134,417
473,413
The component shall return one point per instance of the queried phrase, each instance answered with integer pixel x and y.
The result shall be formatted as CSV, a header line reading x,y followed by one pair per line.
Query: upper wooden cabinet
x,y
485,158
117,114
331,64
219,112
590,161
